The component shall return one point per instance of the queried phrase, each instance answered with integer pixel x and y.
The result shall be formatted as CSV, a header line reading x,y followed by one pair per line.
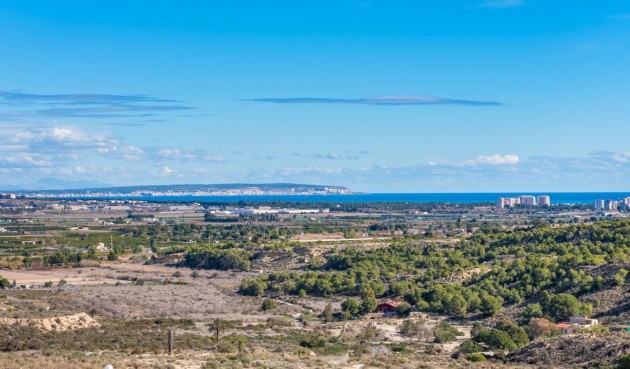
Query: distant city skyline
x,y
423,96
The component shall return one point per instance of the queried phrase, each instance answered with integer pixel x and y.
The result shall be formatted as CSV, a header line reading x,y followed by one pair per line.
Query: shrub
x,y
446,333
623,362
268,304
403,309
497,339
475,357
398,347
469,347
4,283
252,287
517,334
313,342
620,277
411,327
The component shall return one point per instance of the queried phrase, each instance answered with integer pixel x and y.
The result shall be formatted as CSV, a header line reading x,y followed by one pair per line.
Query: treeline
x,y
512,266
243,234
215,258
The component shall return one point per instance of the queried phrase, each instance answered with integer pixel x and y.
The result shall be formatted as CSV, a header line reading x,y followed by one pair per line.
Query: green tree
x,y
4,283
403,309
456,305
368,301
562,306
469,347
252,287
217,325
517,334
351,308
497,339
268,304
490,305
533,311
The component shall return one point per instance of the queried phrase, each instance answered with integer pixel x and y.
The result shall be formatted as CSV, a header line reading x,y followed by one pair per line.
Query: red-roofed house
x,y
387,306
566,328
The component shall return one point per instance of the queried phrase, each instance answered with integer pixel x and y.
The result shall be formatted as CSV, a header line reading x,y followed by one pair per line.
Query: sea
x,y
453,198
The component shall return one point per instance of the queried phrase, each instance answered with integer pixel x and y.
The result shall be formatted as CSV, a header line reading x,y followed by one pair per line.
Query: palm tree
x,y
217,325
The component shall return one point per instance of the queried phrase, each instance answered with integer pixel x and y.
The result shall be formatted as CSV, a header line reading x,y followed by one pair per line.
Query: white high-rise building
x,y
528,200
544,200
612,205
600,204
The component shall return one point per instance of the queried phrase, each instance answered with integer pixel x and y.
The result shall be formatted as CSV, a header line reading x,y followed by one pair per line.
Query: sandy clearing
x,y
60,323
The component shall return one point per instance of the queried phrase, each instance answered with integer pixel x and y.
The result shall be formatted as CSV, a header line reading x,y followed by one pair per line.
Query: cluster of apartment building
x,y
542,200
264,210
612,204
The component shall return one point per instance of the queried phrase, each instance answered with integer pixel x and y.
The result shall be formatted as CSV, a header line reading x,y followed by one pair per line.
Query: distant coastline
x,y
192,190
453,198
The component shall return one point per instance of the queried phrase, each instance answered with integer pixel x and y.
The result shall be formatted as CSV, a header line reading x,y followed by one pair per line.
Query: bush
x,y
410,327
469,347
623,362
252,287
313,342
403,309
398,347
620,277
218,259
268,304
517,334
446,333
497,339
4,283
475,357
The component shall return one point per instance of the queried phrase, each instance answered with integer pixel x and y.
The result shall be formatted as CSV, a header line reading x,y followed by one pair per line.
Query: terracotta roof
x,y
564,325
390,303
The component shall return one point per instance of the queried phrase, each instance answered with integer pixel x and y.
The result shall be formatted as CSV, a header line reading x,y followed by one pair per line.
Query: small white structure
x,y
583,321
575,323
566,328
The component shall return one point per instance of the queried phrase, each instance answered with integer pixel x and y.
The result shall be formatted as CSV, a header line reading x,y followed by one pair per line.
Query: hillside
x,y
585,351
284,188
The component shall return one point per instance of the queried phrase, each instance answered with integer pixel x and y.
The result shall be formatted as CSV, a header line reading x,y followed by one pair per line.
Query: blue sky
x,y
380,96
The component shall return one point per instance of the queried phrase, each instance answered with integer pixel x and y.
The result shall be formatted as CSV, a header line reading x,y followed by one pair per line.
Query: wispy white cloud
x,y
383,101
28,106
199,156
495,159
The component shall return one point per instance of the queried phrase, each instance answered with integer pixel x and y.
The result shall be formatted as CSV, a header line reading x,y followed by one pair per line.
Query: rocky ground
x,y
585,351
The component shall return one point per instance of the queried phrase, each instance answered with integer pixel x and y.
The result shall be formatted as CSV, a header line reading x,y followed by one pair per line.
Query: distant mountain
x,y
190,189
52,184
